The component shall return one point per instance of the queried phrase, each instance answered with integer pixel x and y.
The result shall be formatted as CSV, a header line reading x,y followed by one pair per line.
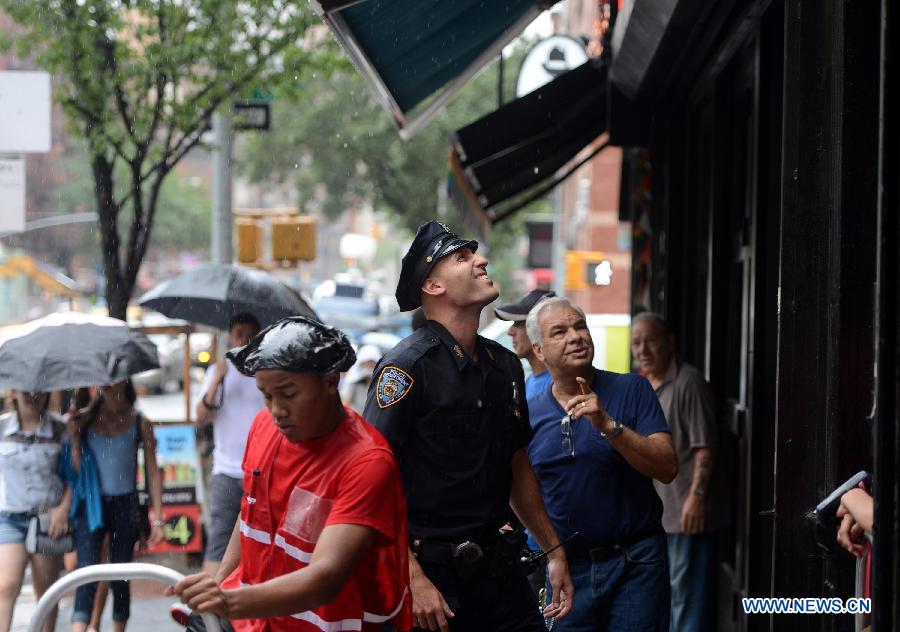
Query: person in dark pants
x,y
118,512
112,430
452,406
600,440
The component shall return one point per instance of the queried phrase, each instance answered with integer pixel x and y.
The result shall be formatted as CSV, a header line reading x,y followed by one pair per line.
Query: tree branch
x,y
184,150
285,41
108,217
92,119
108,49
160,83
93,124
142,236
138,224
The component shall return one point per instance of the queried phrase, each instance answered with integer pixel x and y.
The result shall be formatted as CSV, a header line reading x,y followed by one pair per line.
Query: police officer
x,y
452,406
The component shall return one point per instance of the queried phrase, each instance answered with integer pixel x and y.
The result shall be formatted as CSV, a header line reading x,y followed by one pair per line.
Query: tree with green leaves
x,y
182,213
140,79
340,148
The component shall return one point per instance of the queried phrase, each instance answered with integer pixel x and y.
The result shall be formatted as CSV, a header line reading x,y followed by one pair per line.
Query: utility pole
x,y
221,246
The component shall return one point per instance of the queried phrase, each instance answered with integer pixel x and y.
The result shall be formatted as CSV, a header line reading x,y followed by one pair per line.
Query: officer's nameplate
x,y
393,385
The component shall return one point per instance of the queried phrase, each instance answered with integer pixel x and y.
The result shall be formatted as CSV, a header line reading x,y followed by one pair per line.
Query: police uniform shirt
x,y
454,425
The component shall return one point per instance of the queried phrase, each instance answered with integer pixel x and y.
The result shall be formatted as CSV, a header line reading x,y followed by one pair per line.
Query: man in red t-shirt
x,y
321,542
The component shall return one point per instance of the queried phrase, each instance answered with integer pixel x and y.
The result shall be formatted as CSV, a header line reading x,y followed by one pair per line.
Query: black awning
x,y
528,140
652,42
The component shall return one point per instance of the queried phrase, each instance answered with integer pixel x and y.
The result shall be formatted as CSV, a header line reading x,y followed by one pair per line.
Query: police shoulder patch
x,y
393,385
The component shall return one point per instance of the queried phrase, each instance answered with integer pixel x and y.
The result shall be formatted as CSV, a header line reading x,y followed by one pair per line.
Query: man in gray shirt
x,y
693,504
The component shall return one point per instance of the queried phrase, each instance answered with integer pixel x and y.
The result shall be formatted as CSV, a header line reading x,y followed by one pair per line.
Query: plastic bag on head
x,y
297,344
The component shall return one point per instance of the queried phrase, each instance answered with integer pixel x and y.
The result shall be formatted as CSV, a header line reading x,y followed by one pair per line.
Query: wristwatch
x,y
157,523
615,432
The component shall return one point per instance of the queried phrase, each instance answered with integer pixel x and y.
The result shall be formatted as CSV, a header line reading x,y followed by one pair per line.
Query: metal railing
x,y
107,572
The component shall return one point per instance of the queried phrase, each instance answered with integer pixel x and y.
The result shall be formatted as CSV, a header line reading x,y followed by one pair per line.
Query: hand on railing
x,y
107,572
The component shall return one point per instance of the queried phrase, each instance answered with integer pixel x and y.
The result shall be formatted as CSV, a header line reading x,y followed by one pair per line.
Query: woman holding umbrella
x,y
68,350
111,430
30,441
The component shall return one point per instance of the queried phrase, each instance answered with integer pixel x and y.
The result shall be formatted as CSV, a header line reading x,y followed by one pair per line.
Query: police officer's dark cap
x,y
519,311
433,241
297,344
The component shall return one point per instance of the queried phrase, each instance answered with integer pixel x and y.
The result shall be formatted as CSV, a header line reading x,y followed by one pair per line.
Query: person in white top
x,y
230,402
30,442
355,385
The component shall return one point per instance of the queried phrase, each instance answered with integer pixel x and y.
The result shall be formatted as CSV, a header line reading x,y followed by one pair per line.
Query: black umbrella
x,y
69,350
214,294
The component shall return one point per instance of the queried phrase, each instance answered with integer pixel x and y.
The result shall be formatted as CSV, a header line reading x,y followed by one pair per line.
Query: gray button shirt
x,y
688,405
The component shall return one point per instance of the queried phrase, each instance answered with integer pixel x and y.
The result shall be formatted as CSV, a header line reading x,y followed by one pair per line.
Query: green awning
x,y
411,50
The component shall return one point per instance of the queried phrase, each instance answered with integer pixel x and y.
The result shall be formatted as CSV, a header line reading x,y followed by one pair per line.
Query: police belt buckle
x,y
467,558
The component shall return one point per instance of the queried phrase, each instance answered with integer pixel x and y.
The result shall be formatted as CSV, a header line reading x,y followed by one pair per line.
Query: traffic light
x,y
249,239
598,273
586,269
294,238
540,244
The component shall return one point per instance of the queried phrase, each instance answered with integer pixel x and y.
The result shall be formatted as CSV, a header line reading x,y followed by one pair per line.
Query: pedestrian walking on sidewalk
x,y
106,437
30,443
230,402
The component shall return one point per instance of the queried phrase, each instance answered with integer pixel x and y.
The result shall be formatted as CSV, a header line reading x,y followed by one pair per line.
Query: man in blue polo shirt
x,y
600,439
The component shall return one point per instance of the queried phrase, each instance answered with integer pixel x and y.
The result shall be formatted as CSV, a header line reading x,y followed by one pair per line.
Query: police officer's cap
x,y
433,241
298,344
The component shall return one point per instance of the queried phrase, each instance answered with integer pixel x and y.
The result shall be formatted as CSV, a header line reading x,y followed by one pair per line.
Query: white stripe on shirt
x,y
293,551
329,626
255,534
368,617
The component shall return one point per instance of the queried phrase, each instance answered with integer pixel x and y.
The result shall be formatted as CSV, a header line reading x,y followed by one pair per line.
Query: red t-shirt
x,y
349,476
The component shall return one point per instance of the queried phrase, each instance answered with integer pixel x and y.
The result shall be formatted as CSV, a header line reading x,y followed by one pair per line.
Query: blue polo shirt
x,y
534,384
596,492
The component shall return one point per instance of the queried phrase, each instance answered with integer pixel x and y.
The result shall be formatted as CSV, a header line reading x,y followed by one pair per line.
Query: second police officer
x,y
452,406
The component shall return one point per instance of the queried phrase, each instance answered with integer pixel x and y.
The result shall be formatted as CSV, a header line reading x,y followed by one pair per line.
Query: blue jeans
x,y
118,520
14,526
225,493
629,592
692,575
